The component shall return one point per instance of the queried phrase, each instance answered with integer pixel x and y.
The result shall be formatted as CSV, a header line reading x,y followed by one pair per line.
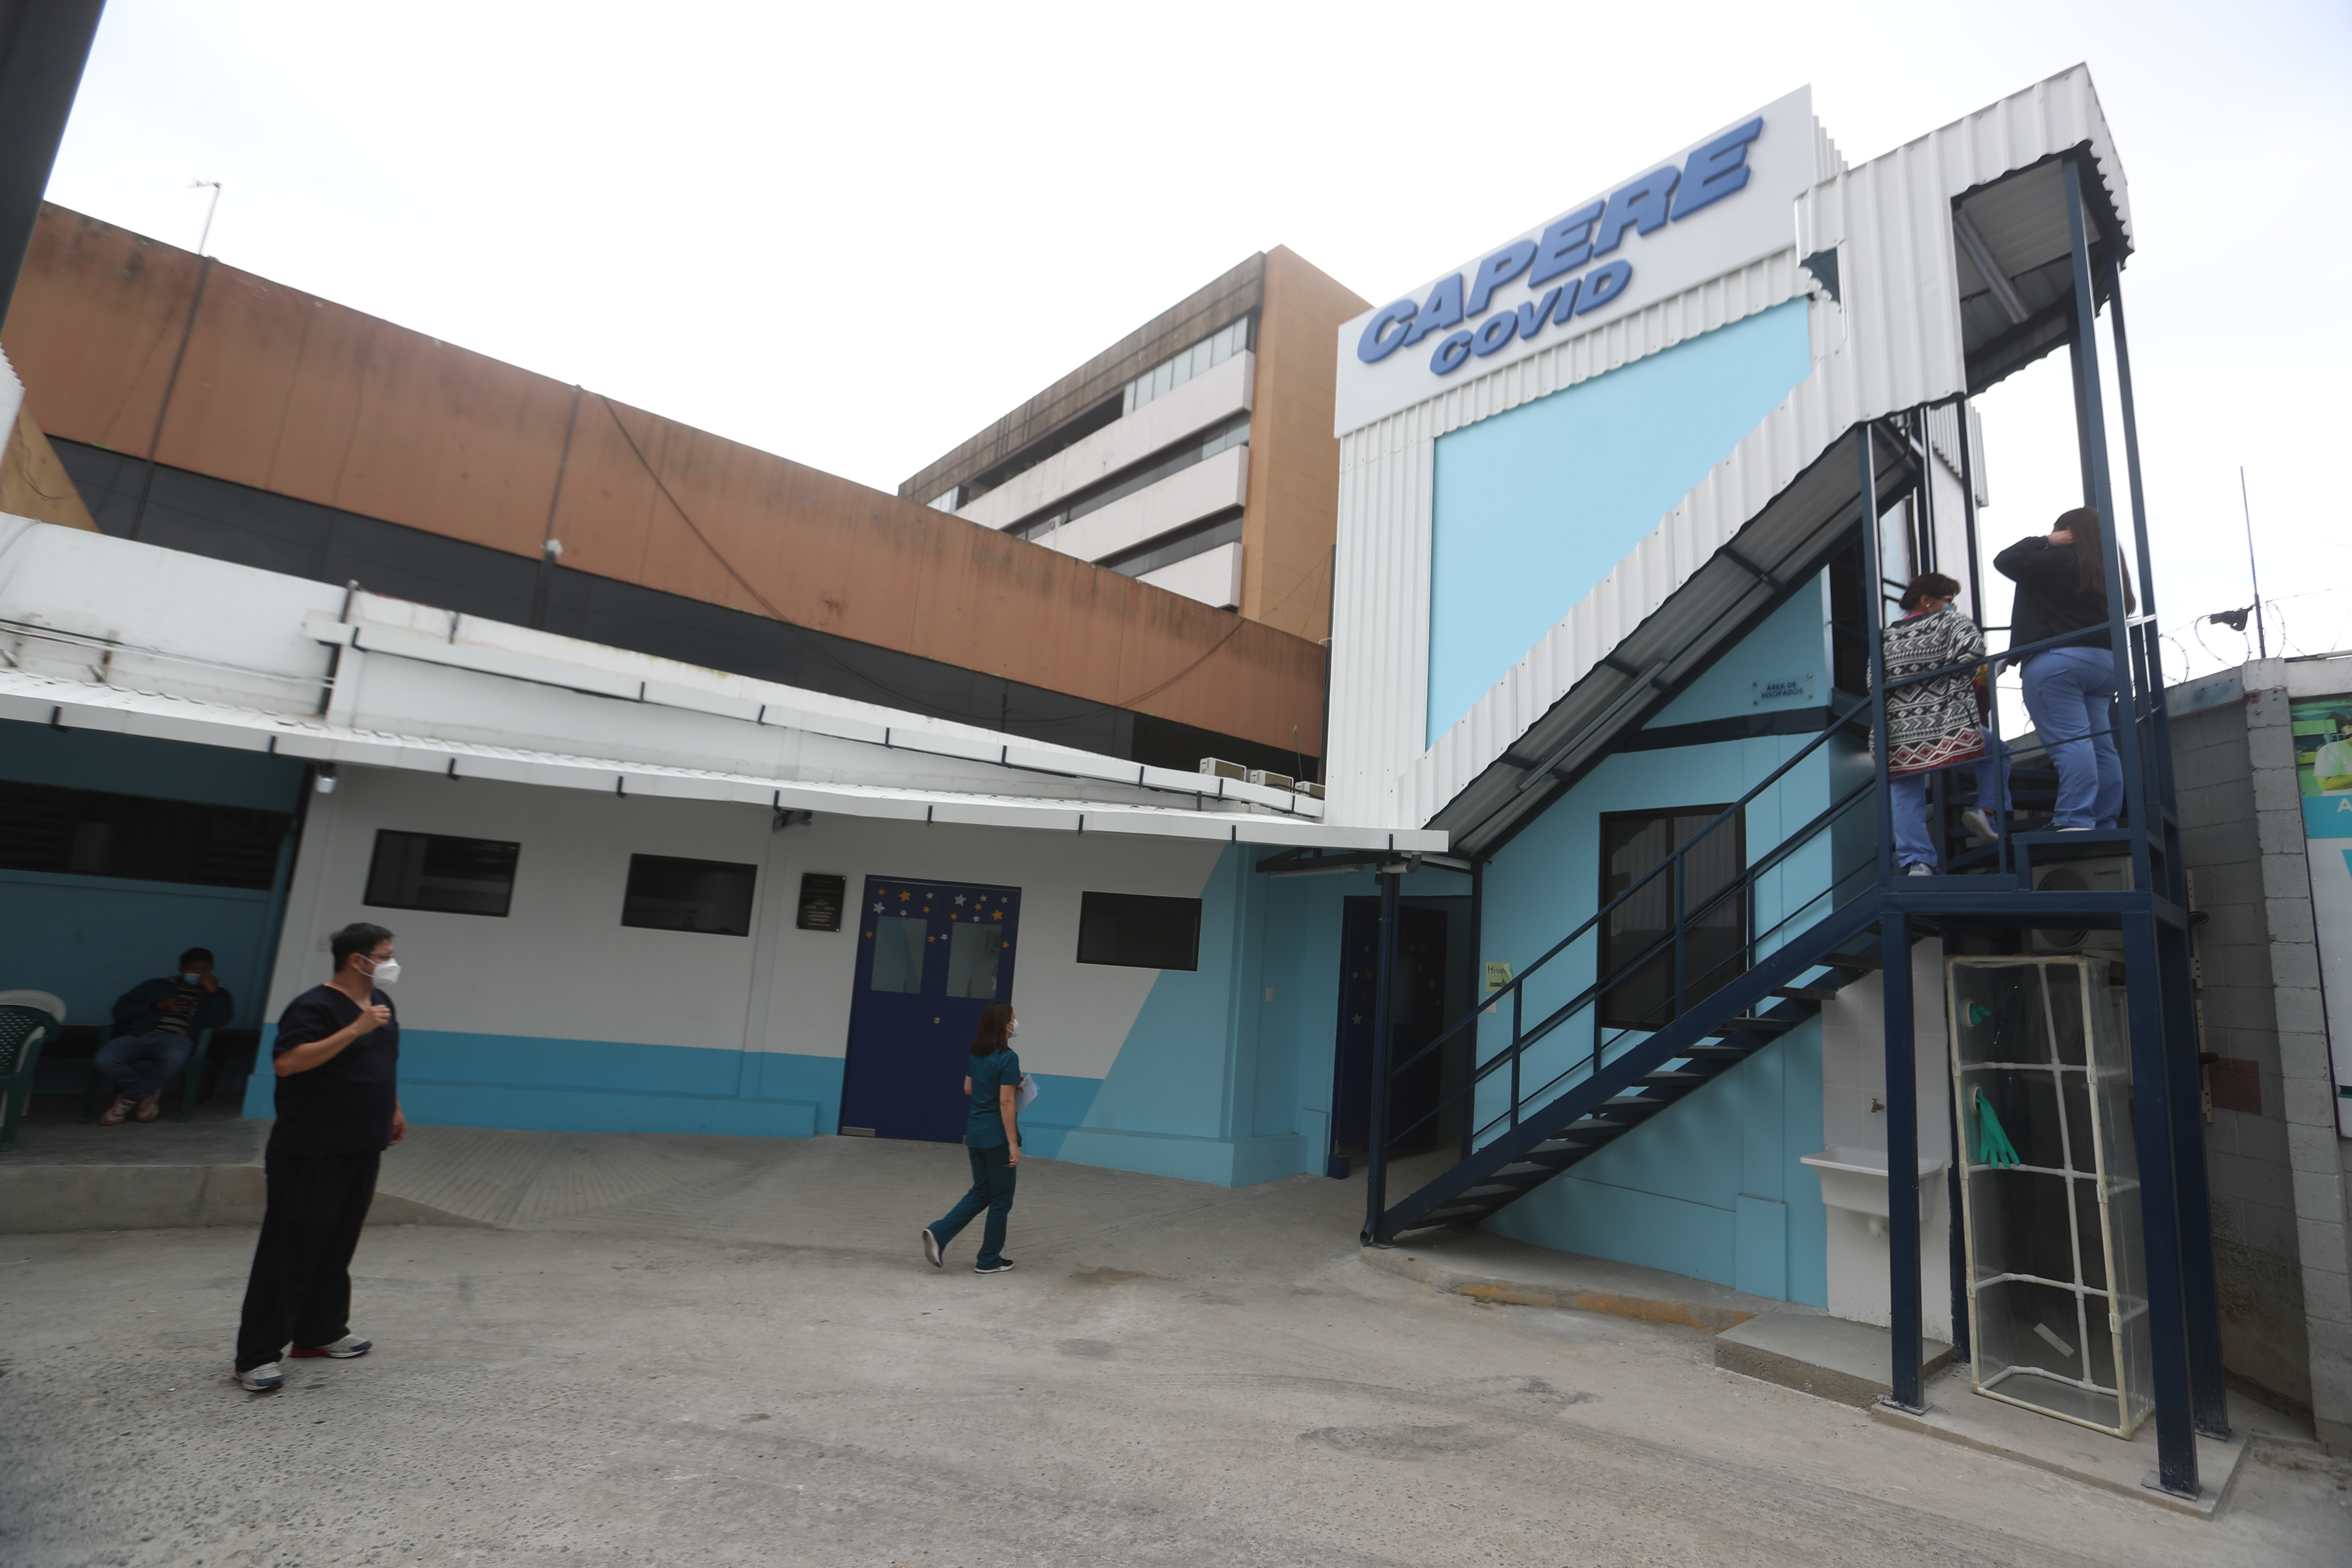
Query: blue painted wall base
x,y
455,1080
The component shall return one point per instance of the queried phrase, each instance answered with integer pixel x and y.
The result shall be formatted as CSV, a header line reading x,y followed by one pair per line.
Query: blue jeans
x,y
1914,843
167,1052
2070,693
992,1189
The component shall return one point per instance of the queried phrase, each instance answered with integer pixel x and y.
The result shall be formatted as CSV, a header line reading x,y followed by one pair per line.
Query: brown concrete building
x,y
205,408
1195,453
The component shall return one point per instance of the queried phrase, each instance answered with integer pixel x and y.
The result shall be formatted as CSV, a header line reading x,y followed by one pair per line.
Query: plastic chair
x,y
23,1032
191,1076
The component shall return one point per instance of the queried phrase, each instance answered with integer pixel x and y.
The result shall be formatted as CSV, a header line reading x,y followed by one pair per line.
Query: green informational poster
x,y
2323,771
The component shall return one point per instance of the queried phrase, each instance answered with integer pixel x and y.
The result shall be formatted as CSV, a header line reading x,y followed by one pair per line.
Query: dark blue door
x,y
930,955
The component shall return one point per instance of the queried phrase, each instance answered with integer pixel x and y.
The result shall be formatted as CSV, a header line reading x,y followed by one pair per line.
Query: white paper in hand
x,y
1025,1095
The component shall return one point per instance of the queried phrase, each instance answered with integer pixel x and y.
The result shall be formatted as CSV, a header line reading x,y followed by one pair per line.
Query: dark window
x,y
1715,942
454,876
821,901
1182,544
668,894
91,833
1139,931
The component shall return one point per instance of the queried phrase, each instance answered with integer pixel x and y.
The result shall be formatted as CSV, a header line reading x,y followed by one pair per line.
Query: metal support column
x,y
2201,1301
2092,432
2176,1437
1901,1166
1376,1140
1874,607
1469,1112
2152,1073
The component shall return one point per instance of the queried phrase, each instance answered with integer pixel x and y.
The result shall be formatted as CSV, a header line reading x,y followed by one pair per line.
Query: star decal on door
x,y
959,898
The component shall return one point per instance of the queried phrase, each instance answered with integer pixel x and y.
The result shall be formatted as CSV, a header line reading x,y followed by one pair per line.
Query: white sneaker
x,y
931,1248
263,1378
344,1349
1980,824
1918,869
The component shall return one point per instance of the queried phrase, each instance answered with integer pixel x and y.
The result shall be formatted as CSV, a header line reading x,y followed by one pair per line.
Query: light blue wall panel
x,y
1791,649
453,1079
90,939
1534,506
1062,1103
133,764
1711,1187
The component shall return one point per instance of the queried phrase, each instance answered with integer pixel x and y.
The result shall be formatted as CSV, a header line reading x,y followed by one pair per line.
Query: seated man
x,y
161,1020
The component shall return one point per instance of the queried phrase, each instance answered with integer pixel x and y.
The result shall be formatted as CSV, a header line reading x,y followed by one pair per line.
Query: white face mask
x,y
387,970
192,979
1012,1029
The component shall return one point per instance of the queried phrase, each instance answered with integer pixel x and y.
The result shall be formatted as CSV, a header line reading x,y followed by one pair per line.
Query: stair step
x,y
1753,1025
1676,1079
1859,963
1643,1102
1720,1053
1807,993
1597,1130
1501,1191
1454,1211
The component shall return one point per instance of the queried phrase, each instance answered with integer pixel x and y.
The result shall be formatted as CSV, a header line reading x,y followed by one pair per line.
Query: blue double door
x,y
930,955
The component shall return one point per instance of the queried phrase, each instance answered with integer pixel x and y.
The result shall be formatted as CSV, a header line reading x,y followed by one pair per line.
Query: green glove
x,y
1993,1147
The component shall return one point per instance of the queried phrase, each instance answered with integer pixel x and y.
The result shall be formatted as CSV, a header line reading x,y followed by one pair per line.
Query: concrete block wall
x,y
2277,1174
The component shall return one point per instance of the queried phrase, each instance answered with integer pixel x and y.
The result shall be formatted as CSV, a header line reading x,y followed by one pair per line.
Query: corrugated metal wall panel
x,y
1380,673
1894,342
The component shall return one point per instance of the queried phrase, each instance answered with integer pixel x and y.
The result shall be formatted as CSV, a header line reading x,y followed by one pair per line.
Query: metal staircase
x,y
1535,1101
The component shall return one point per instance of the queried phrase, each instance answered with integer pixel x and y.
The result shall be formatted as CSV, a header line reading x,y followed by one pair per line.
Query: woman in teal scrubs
x,y
992,1138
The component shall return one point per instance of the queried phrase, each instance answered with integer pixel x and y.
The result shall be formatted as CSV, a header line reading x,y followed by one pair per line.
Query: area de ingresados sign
x,y
1719,204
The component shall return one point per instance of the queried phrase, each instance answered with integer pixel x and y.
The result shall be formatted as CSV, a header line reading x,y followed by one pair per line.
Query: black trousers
x,y
300,1290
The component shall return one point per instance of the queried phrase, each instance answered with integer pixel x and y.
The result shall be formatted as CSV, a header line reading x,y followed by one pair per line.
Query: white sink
x,y
1856,1179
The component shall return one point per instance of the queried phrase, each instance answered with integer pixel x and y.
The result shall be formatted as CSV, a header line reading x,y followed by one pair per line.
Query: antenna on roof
x,y
2262,637
212,208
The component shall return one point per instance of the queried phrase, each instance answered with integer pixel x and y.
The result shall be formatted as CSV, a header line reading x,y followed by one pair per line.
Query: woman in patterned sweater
x,y
1934,724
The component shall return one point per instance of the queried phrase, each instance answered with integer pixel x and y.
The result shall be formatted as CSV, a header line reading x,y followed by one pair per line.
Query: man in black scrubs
x,y
337,1049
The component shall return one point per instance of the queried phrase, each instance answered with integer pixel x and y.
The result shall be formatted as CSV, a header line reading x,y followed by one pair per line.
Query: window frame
x,y
1606,1017
1087,905
376,851
751,897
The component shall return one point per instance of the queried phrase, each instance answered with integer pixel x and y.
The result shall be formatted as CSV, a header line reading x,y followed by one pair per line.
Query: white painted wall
x,y
561,966
1213,576
1854,1078
1222,390
1213,485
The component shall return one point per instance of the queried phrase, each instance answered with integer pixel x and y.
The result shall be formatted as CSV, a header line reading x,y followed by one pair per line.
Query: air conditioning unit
x,y
2108,874
1308,788
1271,781
1217,767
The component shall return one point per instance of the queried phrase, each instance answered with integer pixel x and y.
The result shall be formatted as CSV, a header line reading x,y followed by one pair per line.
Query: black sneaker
x,y
1001,1266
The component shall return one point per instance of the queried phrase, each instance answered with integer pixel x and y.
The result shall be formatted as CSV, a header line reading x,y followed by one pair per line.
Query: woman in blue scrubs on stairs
x,y
992,1138
2069,690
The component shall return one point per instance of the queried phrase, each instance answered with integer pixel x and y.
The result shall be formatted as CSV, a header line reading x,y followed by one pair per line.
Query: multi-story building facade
x,y
1195,453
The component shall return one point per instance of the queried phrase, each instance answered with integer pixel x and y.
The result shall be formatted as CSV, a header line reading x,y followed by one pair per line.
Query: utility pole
x,y
2262,638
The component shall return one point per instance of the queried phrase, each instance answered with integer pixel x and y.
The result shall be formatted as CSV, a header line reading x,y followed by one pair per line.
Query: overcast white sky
x,y
853,235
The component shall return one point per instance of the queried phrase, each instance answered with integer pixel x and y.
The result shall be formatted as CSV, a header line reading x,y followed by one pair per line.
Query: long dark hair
x,y
995,1028
2090,538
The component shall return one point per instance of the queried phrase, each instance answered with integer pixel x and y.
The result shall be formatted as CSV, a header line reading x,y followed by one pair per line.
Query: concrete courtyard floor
x,y
750,1363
